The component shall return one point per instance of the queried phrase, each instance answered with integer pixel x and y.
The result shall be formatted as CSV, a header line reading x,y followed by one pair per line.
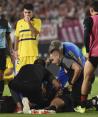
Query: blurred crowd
x,y
46,9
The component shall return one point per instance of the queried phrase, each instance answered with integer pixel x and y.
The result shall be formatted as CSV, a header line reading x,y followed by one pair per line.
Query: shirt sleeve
x,y
88,23
37,24
67,63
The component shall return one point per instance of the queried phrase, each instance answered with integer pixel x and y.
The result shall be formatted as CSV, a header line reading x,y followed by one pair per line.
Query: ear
x,y
91,11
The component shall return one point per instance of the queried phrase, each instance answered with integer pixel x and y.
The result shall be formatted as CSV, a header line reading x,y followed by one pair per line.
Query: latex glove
x,y
70,87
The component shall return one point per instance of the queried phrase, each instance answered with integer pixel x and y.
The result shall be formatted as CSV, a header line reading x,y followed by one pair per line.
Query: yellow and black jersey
x,y
28,43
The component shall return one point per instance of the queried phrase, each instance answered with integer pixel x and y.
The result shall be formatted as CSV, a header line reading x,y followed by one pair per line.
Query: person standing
x,y
5,44
91,44
27,33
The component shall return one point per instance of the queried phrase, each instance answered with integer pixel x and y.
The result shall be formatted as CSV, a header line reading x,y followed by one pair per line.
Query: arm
x,y
10,50
88,23
33,29
9,42
34,25
16,48
16,42
56,84
51,78
77,70
8,38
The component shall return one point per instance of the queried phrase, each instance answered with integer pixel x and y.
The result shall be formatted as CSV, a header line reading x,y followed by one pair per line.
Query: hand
x,y
15,54
70,87
27,19
59,93
87,56
56,84
12,55
48,61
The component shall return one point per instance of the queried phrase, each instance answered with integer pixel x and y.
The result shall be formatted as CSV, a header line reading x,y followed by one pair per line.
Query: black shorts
x,y
94,61
2,59
67,98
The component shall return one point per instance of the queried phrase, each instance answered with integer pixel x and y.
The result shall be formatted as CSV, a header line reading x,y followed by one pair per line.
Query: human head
x,y
55,57
55,51
94,7
28,10
40,61
55,45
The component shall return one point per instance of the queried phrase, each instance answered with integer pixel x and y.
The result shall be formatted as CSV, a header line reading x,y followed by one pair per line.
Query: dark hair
x,y
94,5
28,6
40,61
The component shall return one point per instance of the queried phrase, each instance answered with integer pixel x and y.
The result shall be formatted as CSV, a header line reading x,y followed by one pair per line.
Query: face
x,y
55,57
28,13
92,11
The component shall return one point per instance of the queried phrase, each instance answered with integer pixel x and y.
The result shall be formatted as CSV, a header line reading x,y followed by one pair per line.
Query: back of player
x,y
70,50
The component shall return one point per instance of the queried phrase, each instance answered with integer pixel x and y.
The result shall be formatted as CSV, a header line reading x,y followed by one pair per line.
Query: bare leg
x,y
88,73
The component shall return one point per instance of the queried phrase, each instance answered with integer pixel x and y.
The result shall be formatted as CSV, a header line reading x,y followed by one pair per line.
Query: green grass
x,y
70,114
66,114
94,88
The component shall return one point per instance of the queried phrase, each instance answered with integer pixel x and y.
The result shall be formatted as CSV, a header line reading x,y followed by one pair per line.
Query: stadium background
x,y
61,19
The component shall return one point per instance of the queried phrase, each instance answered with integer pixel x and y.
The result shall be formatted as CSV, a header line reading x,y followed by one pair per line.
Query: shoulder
x,y
69,45
36,19
88,20
67,62
20,21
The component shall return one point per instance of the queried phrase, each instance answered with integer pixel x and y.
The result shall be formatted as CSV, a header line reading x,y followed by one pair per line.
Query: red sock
x,y
83,98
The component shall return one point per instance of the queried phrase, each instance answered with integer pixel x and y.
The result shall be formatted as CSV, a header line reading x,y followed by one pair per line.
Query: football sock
x,y
83,100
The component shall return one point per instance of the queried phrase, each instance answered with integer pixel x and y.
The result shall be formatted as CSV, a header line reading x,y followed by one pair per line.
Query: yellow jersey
x,y
28,43
9,68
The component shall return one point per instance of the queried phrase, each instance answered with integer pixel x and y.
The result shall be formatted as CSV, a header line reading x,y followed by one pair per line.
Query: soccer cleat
x,y
26,107
80,109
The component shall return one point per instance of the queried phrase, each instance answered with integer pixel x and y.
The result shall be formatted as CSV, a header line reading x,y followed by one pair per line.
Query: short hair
x,y
55,45
94,5
40,61
28,6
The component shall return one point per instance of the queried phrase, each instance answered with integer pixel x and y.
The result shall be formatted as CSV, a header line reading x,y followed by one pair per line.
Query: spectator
x,y
12,8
